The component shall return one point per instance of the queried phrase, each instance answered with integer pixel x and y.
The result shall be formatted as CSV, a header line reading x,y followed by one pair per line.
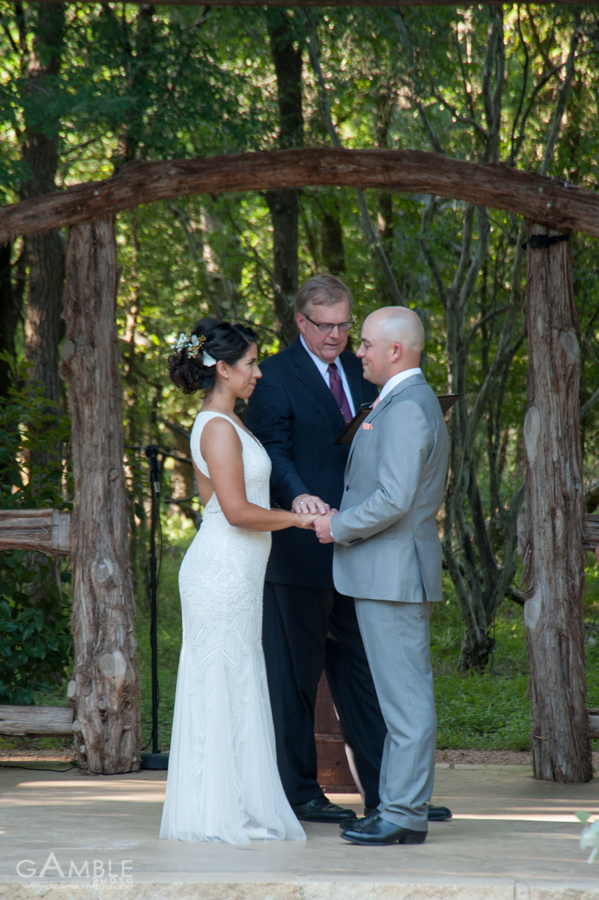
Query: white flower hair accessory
x,y
193,345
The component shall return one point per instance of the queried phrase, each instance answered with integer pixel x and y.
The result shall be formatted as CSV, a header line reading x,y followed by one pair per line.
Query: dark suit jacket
x,y
294,414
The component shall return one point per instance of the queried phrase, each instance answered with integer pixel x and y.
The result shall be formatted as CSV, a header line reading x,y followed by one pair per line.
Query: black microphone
x,y
155,759
152,452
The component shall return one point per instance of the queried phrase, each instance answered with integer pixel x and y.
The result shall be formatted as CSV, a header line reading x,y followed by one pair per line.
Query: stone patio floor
x,y
68,836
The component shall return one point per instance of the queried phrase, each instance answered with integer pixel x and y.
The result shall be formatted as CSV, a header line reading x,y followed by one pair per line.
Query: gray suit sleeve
x,y
404,445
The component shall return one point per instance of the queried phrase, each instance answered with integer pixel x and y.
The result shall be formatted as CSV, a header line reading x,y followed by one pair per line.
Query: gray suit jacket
x,y
387,543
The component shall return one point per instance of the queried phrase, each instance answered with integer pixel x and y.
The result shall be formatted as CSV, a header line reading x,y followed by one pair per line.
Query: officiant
x,y
307,394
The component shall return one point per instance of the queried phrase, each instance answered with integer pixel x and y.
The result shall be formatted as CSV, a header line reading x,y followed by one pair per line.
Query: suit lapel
x,y
402,386
311,378
413,379
354,378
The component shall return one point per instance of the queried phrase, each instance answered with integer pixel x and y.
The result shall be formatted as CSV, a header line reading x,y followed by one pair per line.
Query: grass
x,y
488,712
484,712
492,711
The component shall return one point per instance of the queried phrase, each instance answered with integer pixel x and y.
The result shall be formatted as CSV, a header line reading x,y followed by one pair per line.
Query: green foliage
x,y
165,82
35,640
486,712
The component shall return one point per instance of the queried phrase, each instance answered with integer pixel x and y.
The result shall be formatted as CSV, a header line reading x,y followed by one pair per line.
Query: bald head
x,y
392,341
396,324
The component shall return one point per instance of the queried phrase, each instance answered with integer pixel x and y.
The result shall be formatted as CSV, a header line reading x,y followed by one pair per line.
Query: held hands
x,y
322,527
306,520
315,514
310,503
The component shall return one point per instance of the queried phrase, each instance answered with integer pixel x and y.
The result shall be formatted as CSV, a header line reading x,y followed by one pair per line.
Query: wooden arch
x,y
548,201
106,684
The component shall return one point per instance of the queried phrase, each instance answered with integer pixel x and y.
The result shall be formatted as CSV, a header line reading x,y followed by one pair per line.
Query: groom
x,y
388,556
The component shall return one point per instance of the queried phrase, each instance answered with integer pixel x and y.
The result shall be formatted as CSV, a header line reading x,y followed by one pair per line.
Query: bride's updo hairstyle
x,y
215,339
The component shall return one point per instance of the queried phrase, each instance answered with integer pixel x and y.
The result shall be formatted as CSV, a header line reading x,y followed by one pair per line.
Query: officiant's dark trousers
x,y
306,630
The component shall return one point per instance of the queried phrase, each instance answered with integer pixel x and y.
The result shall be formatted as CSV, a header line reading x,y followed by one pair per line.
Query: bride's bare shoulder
x,y
221,431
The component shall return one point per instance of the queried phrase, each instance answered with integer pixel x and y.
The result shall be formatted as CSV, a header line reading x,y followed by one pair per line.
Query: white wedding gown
x,y
223,783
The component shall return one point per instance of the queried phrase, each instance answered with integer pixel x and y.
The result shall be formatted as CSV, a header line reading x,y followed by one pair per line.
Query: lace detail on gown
x,y
223,783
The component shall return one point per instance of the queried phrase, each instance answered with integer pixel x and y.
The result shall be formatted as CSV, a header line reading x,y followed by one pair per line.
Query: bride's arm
x,y
221,448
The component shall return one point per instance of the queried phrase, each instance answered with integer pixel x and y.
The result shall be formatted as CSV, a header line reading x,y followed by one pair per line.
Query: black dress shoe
x,y
435,814
439,814
378,831
357,823
321,810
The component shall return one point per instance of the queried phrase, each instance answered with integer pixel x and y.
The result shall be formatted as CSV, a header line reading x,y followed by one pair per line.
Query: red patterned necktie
x,y
338,393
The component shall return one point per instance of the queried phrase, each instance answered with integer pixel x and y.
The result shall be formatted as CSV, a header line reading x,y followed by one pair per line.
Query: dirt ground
x,y
492,757
58,756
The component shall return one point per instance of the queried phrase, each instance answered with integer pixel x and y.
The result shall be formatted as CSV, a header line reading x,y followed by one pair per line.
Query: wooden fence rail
x,y
48,530
36,720
44,530
18,721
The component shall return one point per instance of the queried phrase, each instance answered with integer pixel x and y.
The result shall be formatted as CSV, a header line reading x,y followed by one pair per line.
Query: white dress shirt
x,y
323,369
397,379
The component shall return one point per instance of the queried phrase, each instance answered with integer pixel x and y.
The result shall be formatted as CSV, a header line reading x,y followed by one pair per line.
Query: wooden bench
x,y
36,720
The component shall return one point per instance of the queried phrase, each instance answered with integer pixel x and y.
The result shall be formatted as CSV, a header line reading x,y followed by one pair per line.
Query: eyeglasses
x,y
326,327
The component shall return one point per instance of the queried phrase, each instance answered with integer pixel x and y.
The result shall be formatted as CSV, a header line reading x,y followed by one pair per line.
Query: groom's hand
x,y
310,503
322,527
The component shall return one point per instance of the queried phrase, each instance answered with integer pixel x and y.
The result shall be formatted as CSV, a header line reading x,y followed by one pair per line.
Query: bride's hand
x,y
306,520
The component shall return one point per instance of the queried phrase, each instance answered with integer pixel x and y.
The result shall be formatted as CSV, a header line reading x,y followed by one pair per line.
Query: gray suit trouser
x,y
397,641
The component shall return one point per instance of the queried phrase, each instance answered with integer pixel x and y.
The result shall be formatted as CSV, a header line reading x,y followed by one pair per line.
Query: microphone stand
x,y
155,759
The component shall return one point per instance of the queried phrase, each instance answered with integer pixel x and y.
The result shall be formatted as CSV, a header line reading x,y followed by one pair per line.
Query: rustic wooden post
x,y
106,678
553,612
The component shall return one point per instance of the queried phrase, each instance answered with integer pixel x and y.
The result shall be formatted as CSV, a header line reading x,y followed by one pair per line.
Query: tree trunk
x,y
384,106
43,323
107,680
553,612
331,236
284,203
45,251
284,213
9,316
139,88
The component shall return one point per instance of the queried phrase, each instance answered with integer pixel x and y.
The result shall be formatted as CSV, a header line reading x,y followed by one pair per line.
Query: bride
x,y
223,783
